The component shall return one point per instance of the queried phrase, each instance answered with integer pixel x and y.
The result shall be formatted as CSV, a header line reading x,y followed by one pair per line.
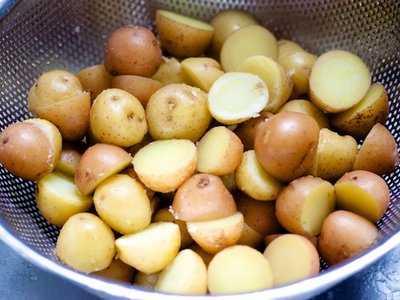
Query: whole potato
x,y
132,50
286,145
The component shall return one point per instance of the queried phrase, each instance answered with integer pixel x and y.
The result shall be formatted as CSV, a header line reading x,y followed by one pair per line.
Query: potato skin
x,y
132,50
286,145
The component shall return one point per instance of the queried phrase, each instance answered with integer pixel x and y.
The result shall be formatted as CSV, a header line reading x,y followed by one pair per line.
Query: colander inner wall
x,y
37,36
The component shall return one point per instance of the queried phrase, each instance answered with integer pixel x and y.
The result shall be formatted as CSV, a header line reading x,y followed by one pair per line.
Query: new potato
x,y
94,79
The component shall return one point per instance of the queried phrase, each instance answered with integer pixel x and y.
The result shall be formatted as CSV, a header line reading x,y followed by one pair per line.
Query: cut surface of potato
x,y
215,235
165,164
169,71
219,151
151,249
339,80
236,97
292,257
238,269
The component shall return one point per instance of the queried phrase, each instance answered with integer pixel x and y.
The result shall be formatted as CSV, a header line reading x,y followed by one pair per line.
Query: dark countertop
x,y
21,280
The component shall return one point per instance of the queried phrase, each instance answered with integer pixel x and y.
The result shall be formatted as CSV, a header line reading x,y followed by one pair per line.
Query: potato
x,y
358,120
236,97
85,243
274,76
292,258
164,215
269,238
364,193
245,42
97,163
253,180
132,50
378,152
201,71
187,274
118,271
165,164
259,215
286,145
309,108
130,171
147,281
246,131
182,36
207,257
58,198
71,115
192,199
335,155
20,157
178,111
338,81
250,237
287,47
238,269
53,86
69,159
169,71
303,205
225,22
151,249
345,235
219,151
118,118
298,66
229,182
122,203
94,79
140,87
215,235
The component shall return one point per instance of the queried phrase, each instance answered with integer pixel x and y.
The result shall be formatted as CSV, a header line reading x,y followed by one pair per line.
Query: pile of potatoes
x,y
215,159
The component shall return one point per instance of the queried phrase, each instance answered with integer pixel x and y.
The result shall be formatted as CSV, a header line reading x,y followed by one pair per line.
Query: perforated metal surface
x,y
37,36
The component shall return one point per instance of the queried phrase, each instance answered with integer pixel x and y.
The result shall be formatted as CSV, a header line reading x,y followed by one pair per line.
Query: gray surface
x,y
21,280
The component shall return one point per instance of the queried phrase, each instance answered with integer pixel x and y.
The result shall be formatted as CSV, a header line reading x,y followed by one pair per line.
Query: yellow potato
x,y
339,80
274,76
118,118
292,258
58,198
245,42
130,171
86,243
303,205
379,152
250,237
236,97
345,235
215,235
335,155
122,204
229,182
219,151
151,249
94,79
169,71
359,119
182,36
298,66
18,156
253,180
140,87
118,271
223,275
287,47
69,159
192,199
187,274
225,22
97,163
364,193
178,111
309,108
147,281
201,71
165,164
269,238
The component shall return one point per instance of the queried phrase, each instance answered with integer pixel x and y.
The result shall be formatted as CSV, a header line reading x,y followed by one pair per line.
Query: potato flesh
x,y
236,97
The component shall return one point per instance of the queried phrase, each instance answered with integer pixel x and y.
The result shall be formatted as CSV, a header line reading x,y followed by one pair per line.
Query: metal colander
x,y
37,36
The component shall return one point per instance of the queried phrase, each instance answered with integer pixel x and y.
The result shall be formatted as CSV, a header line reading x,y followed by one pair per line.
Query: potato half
x,y
94,79
117,271
169,71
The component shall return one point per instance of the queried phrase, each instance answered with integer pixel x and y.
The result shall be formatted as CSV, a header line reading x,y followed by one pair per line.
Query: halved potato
x,y
69,159
287,47
338,81
147,281
169,71
117,271
250,237
183,36
94,79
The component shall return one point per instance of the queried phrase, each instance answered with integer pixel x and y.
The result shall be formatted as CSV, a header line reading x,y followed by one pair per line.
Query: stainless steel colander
x,y
36,36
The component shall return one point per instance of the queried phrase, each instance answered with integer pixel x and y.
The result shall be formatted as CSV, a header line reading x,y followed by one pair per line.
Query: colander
x,y
37,36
